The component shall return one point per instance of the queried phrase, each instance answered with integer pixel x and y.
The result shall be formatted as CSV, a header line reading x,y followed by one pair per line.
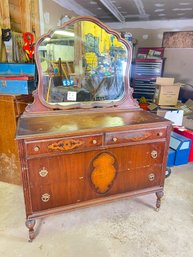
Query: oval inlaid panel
x,y
103,172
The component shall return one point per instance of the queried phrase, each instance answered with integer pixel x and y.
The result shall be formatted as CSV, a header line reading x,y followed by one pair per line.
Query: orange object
x,y
28,47
143,106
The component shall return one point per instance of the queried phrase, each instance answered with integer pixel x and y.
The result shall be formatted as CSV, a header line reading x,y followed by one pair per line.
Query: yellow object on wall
x,y
103,40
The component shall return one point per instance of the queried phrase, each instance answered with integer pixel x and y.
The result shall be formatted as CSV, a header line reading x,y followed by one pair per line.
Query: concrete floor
x,y
119,229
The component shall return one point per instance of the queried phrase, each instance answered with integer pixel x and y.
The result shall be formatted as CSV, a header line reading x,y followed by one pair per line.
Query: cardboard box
x,y
166,92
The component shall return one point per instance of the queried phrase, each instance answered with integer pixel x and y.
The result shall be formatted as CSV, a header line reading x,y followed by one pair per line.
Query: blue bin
x,y
171,157
17,78
181,146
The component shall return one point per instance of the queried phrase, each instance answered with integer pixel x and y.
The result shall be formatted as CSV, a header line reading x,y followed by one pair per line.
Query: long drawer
x,y
79,190
113,138
67,144
75,166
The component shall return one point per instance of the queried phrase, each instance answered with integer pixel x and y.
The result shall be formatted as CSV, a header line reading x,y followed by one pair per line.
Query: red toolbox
x,y
189,134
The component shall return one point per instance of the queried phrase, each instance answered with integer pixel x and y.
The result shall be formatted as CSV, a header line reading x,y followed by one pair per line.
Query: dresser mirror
x,y
82,64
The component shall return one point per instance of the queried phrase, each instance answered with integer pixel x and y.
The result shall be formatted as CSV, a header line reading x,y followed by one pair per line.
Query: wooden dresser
x,y
74,154
11,107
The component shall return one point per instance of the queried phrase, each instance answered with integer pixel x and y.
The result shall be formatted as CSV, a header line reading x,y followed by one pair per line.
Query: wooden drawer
x,y
64,145
134,136
60,194
136,179
56,195
138,156
64,168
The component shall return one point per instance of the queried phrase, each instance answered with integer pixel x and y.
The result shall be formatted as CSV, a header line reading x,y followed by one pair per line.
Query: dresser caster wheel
x,y
157,209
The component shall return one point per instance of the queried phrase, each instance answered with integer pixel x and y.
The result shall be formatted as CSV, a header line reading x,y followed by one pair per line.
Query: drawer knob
x,y
43,173
154,154
151,176
94,141
45,197
160,134
115,139
36,148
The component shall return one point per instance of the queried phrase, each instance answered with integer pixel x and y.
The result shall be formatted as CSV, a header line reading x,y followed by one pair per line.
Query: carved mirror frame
x,y
126,102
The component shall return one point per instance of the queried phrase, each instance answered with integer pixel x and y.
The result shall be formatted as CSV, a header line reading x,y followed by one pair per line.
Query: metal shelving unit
x,y
146,70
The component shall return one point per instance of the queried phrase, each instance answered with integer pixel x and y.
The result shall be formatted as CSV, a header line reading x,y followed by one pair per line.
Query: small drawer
x,y
133,136
64,145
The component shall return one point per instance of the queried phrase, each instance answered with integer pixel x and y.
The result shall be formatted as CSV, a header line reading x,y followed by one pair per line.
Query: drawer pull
x,y
81,177
154,154
151,176
43,173
115,139
45,197
94,141
36,148
160,134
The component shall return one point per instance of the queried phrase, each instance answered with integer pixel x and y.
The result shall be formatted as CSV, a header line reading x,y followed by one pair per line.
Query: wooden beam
x,y
4,14
35,18
25,15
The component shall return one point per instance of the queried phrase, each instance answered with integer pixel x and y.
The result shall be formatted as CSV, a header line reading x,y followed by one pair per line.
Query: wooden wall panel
x,y
4,14
20,15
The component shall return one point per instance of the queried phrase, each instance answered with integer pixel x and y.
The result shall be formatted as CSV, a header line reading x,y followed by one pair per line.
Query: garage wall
x,y
179,61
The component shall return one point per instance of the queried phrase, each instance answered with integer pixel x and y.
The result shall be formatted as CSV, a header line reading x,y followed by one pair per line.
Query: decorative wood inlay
x,y
103,173
140,138
65,145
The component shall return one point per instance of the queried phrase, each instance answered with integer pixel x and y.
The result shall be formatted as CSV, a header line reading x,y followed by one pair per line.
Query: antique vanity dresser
x,y
84,140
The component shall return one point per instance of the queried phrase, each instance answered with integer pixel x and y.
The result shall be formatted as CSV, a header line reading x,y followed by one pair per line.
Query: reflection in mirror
x,y
82,63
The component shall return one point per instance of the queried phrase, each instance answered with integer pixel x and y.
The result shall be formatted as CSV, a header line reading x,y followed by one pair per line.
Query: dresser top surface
x,y
97,122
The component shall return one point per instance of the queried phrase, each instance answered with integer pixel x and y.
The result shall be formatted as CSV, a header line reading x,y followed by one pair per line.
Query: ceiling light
x,y
182,9
159,5
159,10
92,2
113,9
184,3
64,33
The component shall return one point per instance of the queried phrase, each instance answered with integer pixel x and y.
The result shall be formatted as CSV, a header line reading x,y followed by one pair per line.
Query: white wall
x,y
179,61
150,33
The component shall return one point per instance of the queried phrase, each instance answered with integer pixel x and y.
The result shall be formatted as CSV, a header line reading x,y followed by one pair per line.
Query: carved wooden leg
x,y
159,195
30,225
